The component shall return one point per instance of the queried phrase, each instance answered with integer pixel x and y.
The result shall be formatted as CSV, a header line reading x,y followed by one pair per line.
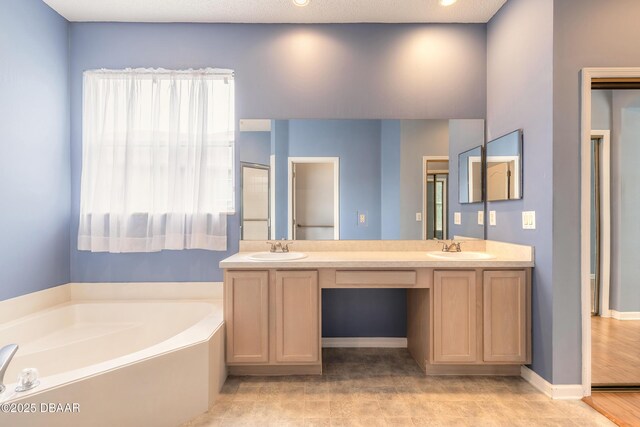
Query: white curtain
x,y
157,160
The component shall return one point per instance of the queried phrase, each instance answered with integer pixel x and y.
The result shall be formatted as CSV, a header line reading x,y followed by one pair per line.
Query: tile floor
x,y
384,387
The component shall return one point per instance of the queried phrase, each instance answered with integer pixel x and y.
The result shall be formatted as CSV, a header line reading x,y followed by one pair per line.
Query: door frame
x,y
605,212
426,159
335,161
586,76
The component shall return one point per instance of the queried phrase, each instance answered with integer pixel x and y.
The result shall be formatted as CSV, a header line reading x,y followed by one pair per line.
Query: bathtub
x,y
114,354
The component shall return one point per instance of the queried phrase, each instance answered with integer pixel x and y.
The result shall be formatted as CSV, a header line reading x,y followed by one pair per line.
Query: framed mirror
x,y
470,176
353,179
504,167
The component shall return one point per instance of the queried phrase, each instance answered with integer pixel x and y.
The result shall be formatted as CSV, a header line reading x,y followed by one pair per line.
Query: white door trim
x,y
587,74
425,159
335,161
605,212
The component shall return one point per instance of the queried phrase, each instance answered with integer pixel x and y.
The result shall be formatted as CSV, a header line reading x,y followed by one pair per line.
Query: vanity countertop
x,y
377,259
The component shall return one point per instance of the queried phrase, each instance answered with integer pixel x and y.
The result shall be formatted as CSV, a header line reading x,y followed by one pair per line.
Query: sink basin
x,y
277,256
461,256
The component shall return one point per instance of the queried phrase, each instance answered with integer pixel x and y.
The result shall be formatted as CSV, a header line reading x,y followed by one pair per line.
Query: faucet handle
x,y
285,246
273,246
445,245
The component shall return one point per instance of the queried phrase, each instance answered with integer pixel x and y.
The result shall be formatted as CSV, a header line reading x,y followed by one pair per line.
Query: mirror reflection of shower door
x,y
595,226
436,209
255,223
313,201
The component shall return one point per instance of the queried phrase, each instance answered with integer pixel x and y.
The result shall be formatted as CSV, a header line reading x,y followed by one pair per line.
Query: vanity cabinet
x,y
272,320
481,317
454,317
247,316
297,316
505,319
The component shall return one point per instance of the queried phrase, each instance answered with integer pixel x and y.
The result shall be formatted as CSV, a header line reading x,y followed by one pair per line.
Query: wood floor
x,y
615,351
621,408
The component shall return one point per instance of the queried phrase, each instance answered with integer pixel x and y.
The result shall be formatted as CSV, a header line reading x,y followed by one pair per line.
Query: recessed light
x,y
301,2
447,2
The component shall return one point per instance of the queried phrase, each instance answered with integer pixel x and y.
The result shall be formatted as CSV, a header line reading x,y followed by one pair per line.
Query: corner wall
x,y
34,148
520,95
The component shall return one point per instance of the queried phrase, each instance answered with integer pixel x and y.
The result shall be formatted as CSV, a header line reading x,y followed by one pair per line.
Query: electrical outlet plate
x,y
362,219
480,217
457,218
418,216
492,217
529,220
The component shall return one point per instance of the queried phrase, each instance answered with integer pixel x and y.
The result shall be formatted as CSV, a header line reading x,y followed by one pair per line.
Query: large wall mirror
x,y
504,167
358,179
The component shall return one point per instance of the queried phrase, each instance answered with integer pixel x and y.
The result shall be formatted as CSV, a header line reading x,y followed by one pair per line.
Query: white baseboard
x,y
364,342
558,392
625,315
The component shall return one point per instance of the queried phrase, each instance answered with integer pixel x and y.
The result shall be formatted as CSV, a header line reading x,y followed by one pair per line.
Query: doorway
x,y
610,291
435,207
314,198
255,221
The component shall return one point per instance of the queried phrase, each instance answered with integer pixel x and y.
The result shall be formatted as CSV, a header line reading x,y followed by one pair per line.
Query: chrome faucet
x,y
450,247
283,245
6,354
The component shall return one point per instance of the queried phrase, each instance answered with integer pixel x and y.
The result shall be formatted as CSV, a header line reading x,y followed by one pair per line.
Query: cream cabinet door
x,y
454,317
297,317
505,316
247,316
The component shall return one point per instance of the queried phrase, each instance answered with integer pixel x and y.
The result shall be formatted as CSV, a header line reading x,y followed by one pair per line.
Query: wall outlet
x,y
457,218
529,220
362,219
492,217
480,217
418,216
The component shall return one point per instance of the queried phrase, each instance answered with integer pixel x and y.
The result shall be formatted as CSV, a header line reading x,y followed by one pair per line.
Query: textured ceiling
x,y
275,11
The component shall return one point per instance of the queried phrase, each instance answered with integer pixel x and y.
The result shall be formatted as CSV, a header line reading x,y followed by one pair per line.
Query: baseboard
x,y
558,392
365,342
625,315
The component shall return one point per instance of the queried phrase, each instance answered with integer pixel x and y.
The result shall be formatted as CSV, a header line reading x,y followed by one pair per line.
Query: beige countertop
x,y
372,256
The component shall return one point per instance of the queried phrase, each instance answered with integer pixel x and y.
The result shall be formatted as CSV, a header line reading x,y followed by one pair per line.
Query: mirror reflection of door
x,y
255,223
436,215
436,203
313,200
498,178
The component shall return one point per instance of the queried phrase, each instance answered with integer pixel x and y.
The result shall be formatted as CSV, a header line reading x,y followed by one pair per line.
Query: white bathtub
x,y
114,354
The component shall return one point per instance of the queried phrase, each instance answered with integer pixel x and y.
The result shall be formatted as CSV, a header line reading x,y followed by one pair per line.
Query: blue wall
x,y
253,147
520,96
390,156
282,71
34,148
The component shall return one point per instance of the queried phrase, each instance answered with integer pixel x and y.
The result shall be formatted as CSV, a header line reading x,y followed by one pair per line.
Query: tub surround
x,y
463,317
161,340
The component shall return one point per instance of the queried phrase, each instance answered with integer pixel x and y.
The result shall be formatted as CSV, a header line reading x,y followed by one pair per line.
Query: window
x,y
158,156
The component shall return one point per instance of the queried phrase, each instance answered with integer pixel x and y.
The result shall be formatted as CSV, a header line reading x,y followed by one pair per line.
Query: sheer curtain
x,y
157,160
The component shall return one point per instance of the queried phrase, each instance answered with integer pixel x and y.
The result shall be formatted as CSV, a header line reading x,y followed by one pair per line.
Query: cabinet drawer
x,y
373,278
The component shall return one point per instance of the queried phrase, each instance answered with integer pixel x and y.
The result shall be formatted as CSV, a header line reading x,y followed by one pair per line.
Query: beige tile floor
x,y
384,387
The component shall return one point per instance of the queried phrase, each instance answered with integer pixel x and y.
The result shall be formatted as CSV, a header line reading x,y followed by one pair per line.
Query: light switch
x,y
529,220
457,218
480,217
418,216
492,217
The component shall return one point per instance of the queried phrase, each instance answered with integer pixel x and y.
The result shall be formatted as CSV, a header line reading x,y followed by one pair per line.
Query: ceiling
x,y
276,11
